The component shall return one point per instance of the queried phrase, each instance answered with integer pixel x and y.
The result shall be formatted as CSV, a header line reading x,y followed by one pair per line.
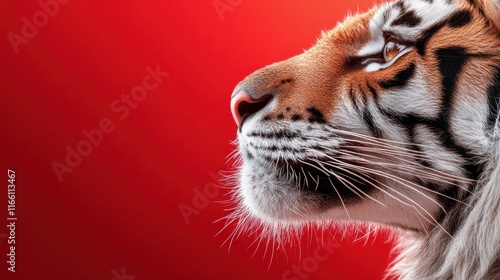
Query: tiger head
x,y
390,111
389,118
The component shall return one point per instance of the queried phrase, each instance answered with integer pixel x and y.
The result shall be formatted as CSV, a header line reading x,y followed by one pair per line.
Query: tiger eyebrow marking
x,y
409,19
456,20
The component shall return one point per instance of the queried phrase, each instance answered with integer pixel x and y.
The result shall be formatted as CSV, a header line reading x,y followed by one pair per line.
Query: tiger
x,y
391,118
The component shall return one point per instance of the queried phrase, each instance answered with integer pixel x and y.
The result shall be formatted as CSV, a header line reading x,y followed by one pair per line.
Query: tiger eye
x,y
392,48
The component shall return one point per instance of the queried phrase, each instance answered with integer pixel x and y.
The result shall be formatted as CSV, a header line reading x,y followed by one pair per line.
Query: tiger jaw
x,y
299,172
276,200
271,189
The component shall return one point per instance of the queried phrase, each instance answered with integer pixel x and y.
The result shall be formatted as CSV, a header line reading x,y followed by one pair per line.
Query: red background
x,y
119,207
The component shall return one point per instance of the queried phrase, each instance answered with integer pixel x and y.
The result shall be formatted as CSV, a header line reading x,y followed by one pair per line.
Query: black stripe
x,y
401,6
473,168
386,15
409,19
353,99
401,78
480,9
409,123
409,120
368,118
414,145
450,63
373,92
427,35
315,115
494,100
460,19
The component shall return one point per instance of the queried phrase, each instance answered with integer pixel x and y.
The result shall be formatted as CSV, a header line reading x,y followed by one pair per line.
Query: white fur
x,y
470,253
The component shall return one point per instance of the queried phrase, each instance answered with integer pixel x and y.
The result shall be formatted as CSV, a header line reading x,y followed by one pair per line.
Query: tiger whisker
x,y
402,152
417,185
363,179
411,200
411,167
374,185
400,180
388,142
328,173
436,172
415,204
305,177
338,194
437,175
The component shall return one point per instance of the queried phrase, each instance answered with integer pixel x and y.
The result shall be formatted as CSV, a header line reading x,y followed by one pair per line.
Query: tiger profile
x,y
391,118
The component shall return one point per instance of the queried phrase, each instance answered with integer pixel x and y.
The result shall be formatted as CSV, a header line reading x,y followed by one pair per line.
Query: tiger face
x,y
387,119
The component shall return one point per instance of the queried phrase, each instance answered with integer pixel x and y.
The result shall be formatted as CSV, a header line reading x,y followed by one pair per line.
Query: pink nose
x,y
243,105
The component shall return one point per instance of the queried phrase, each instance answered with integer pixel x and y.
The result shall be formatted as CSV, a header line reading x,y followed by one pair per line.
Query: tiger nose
x,y
244,105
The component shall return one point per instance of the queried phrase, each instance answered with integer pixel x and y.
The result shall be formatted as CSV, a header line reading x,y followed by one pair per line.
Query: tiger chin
x,y
391,118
